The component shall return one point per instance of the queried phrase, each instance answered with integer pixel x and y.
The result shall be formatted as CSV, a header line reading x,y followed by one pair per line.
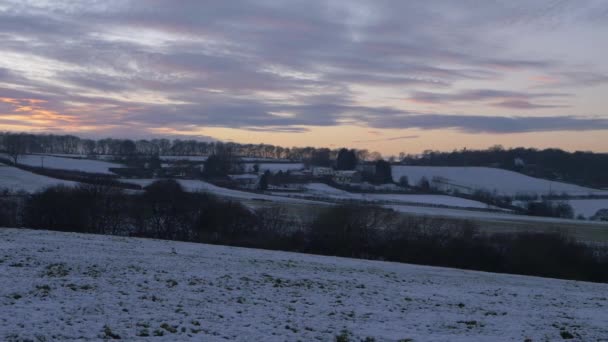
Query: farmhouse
x,y
322,171
347,177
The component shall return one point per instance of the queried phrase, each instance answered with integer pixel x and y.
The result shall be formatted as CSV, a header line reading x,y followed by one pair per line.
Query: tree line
x,y
164,210
69,144
580,167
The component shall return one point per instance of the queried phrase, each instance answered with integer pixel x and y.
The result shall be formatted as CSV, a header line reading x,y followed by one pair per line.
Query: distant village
x,y
256,174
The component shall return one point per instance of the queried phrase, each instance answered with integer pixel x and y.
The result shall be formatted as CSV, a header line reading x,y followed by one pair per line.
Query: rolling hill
x,y
469,179
16,179
60,286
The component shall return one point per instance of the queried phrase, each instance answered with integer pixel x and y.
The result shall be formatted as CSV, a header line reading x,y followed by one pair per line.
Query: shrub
x,y
550,209
223,222
349,230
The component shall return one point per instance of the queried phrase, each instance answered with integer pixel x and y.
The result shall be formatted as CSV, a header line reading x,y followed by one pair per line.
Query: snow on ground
x,y
190,158
316,190
52,162
198,185
275,167
503,181
430,199
16,179
588,207
68,155
485,215
65,286
261,160
333,193
321,189
324,190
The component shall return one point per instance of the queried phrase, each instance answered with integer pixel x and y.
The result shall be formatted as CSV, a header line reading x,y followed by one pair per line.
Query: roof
x,y
346,172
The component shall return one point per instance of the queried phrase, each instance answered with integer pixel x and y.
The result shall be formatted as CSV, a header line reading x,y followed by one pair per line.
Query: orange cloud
x,y
30,112
9,100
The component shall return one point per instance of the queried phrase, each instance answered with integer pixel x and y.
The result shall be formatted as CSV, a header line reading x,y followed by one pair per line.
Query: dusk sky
x,y
390,76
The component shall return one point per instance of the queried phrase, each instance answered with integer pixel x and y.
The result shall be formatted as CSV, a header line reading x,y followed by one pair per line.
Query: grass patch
x,y
109,334
57,270
43,290
169,328
566,335
143,333
344,336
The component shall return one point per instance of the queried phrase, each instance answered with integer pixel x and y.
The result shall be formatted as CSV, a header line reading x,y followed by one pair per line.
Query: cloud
x,y
5,74
524,104
261,116
279,129
404,137
507,99
476,124
114,64
580,78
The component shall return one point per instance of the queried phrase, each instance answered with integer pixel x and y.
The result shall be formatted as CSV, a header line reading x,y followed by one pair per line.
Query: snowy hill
x,y
588,207
72,164
424,204
60,286
199,185
467,179
324,190
16,179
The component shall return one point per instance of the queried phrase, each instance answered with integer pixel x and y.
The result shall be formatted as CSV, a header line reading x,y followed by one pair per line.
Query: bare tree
x,y
15,146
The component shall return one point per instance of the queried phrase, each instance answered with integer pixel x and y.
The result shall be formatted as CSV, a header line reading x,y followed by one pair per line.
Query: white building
x,y
322,171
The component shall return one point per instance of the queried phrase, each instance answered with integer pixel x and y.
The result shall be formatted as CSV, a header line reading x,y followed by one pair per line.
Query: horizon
x,y
383,76
332,148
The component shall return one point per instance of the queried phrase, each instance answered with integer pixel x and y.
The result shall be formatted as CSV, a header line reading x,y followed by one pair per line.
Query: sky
x,y
393,76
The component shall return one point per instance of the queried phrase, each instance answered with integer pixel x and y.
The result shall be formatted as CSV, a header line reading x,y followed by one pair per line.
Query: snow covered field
x,y
63,286
588,207
190,158
430,199
503,181
488,215
52,162
330,192
324,190
16,179
198,185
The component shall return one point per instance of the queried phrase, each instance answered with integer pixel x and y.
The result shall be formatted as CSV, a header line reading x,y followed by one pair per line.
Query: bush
x,y
223,222
10,208
349,230
85,208
424,184
384,172
550,209
166,211
57,208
